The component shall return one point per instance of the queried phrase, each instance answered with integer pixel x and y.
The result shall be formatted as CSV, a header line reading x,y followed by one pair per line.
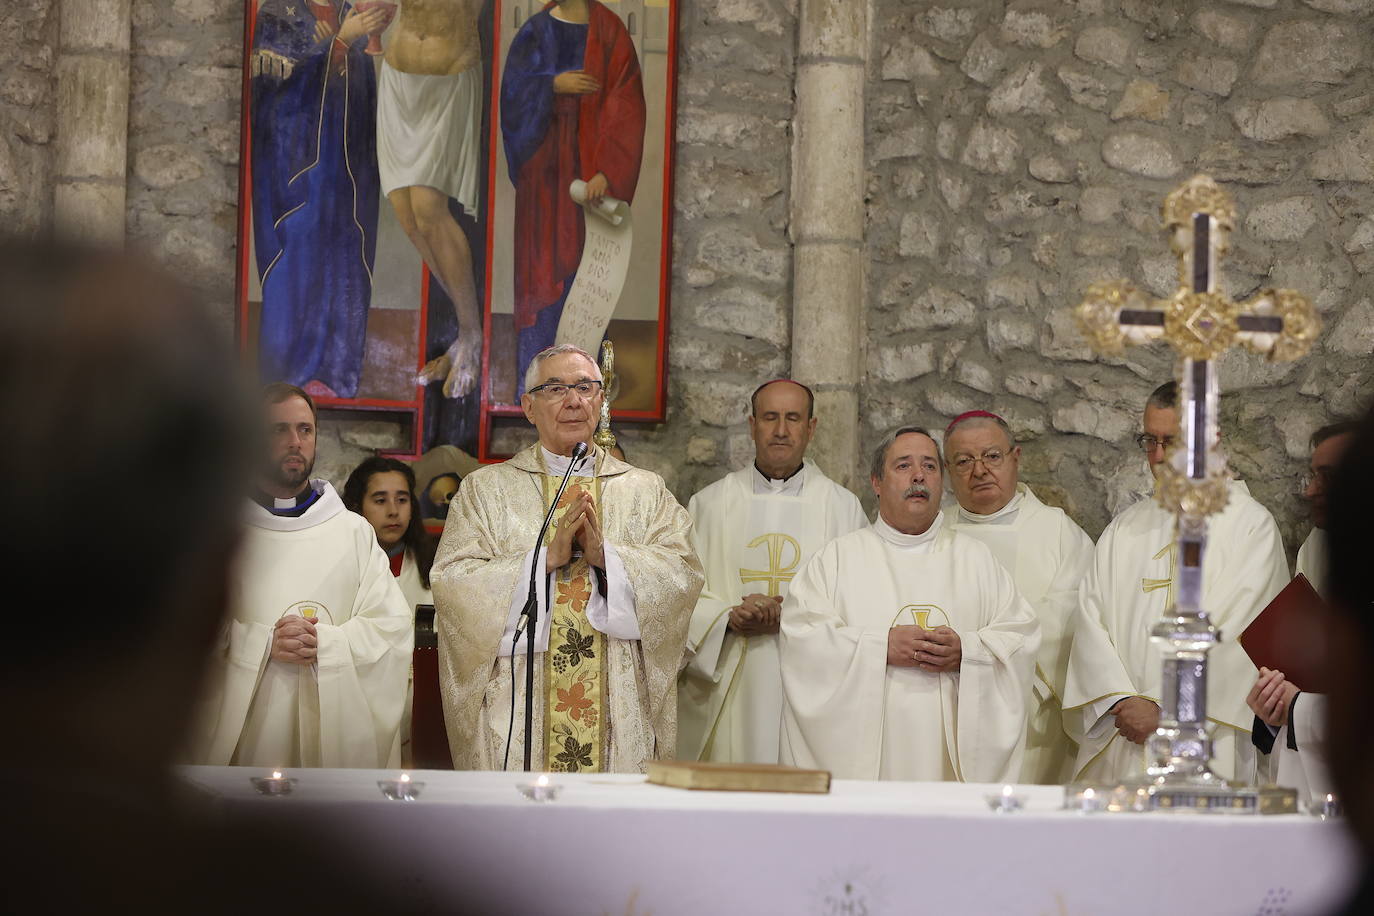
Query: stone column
x,y
92,120
827,224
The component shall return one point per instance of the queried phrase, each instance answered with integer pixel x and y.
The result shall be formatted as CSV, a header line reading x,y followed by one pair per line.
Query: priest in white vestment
x,y
1112,693
620,568
907,652
1047,555
313,664
753,529
1292,741
1328,445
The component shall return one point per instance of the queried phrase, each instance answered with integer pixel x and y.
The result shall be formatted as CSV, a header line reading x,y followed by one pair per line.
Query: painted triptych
x,y
434,190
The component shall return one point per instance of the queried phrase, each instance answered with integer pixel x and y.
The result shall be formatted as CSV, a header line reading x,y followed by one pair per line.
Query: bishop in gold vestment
x,y
623,579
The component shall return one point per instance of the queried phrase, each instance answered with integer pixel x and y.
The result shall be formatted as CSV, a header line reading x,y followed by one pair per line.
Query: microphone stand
x,y
529,615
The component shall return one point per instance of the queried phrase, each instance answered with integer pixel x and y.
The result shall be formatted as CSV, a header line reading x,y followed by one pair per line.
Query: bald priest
x,y
753,529
907,652
616,576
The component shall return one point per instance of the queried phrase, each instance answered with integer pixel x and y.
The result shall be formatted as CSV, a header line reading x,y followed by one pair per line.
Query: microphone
x,y
579,452
529,617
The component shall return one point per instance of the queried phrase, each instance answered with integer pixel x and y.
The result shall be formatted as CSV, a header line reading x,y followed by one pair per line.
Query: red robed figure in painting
x,y
572,107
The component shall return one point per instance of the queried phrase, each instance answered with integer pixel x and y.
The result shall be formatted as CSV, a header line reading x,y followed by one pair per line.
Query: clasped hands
x,y
579,527
294,640
756,615
938,651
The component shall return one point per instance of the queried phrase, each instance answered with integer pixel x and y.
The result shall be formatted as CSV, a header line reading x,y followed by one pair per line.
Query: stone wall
x,y
185,86
731,294
1016,152
1020,151
27,85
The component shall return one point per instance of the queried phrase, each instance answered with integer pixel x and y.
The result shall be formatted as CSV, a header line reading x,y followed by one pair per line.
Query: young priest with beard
x,y
311,667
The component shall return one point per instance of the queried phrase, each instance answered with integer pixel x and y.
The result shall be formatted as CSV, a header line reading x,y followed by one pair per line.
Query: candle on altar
x,y
402,788
1006,802
541,790
276,784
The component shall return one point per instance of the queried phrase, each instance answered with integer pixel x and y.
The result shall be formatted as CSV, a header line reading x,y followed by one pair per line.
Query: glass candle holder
x,y
274,785
541,789
1328,808
403,788
1006,801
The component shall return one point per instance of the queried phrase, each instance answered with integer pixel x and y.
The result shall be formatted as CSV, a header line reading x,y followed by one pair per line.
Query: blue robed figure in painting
x,y
315,189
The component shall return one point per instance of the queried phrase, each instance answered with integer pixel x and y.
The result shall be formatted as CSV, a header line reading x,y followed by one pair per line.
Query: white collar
x,y
924,541
558,464
1003,516
320,511
767,486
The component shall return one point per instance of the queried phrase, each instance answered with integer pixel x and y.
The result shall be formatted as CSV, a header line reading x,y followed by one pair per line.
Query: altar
x,y
617,845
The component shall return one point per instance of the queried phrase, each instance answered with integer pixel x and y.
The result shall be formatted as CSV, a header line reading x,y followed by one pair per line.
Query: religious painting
x,y
581,193
389,261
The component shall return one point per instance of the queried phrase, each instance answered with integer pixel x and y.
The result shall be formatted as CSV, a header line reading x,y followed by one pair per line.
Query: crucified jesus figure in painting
x,y
429,118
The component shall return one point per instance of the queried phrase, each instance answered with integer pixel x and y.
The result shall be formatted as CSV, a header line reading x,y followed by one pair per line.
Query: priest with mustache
x,y
616,580
907,652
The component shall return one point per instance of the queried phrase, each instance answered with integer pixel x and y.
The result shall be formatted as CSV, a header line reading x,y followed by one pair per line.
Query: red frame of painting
x,y
415,407
488,410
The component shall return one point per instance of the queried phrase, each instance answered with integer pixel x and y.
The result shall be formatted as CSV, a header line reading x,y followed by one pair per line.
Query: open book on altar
x,y
1289,635
736,777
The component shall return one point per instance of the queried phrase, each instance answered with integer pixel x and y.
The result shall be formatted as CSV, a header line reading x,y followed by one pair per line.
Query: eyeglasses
x,y
992,460
1149,443
557,391
1323,475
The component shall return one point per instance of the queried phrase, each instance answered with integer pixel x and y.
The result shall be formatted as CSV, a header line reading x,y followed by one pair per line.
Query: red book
x,y
1290,635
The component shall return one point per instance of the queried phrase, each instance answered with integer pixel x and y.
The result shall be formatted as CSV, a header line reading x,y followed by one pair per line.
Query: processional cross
x,y
1201,324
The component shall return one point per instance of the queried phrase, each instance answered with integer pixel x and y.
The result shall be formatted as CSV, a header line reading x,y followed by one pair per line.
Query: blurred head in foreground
x,y
122,477
1350,591
131,442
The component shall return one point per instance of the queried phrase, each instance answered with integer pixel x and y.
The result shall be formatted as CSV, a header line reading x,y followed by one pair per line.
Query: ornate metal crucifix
x,y
1201,324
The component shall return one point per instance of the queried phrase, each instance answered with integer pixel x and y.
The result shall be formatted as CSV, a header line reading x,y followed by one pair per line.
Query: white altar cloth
x,y
616,845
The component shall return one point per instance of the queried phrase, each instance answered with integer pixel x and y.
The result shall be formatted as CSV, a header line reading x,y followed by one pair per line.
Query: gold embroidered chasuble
x,y
601,703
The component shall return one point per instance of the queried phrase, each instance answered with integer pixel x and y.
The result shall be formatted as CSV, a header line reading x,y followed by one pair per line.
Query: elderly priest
x,y
1047,556
754,529
313,664
1111,698
623,579
907,652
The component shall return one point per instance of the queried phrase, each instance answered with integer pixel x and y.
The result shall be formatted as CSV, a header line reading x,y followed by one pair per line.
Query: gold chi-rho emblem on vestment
x,y
784,556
